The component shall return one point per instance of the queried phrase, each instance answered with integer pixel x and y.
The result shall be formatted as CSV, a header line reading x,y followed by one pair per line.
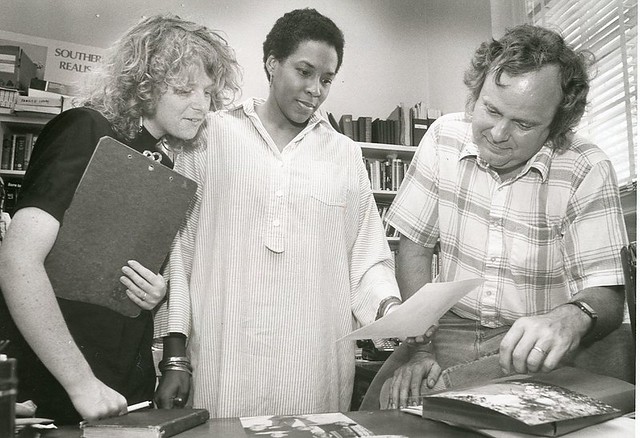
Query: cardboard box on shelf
x,y
16,69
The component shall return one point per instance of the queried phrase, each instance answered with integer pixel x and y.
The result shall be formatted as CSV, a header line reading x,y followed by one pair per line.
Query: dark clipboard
x,y
126,207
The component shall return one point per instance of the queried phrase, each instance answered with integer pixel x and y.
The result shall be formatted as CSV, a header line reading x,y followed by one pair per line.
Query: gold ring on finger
x,y
541,350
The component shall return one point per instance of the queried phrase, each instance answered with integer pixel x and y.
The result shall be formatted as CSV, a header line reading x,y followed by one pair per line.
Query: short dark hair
x,y
528,48
298,26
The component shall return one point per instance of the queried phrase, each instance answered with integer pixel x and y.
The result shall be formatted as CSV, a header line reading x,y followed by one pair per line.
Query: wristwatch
x,y
587,310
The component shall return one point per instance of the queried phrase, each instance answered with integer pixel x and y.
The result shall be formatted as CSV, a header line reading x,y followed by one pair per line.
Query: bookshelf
x,y
383,195
27,127
18,125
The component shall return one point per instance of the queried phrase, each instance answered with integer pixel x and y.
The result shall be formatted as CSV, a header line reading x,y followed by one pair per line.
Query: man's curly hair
x,y
528,48
298,26
159,52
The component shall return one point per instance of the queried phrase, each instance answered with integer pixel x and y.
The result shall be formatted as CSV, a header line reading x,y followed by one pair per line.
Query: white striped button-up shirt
x,y
537,239
281,254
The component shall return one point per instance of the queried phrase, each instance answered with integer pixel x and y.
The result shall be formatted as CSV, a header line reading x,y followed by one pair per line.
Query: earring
x,y
141,126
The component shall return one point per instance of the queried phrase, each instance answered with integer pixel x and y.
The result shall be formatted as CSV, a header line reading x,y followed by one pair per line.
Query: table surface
x,y
391,422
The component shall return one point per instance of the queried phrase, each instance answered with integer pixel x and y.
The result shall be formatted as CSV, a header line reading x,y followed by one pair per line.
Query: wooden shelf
x,y
11,172
381,150
385,196
26,120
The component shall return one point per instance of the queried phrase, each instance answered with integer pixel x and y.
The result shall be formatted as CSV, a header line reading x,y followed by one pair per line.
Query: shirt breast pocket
x,y
327,184
536,251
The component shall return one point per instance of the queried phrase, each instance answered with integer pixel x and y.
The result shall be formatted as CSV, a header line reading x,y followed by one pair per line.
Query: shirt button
x,y
281,164
488,293
276,223
493,259
279,193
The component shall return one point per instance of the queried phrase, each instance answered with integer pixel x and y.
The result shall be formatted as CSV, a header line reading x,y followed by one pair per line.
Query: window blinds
x,y
609,29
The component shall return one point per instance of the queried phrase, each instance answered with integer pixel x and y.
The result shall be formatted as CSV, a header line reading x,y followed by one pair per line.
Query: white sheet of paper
x,y
418,313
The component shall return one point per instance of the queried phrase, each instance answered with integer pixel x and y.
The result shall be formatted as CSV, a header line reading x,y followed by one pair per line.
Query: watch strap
x,y
587,310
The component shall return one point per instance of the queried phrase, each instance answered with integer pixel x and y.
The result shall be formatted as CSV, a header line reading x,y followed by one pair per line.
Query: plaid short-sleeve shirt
x,y
537,239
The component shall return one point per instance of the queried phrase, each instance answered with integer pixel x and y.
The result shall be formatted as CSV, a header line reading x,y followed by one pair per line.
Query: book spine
x,y
18,155
5,158
356,130
419,129
13,151
397,173
346,125
376,131
12,188
185,423
396,132
367,128
364,129
31,138
375,174
384,174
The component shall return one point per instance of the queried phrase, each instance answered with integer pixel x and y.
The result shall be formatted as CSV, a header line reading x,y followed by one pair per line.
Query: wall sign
x,y
58,61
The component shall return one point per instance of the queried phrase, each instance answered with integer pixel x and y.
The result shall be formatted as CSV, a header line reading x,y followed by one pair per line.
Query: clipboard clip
x,y
155,156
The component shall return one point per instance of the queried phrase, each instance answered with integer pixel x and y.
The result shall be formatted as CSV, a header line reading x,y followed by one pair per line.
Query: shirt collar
x,y
249,107
541,161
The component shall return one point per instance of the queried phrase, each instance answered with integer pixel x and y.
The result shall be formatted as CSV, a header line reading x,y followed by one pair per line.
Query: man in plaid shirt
x,y
513,197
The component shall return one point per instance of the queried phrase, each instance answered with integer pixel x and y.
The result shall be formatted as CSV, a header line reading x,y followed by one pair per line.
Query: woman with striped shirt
x,y
283,252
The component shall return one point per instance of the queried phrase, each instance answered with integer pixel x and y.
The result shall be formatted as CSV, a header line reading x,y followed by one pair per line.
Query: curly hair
x,y
159,52
528,48
296,27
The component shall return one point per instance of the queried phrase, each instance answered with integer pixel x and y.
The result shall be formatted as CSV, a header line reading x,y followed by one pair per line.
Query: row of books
x,y
16,150
404,126
386,174
389,231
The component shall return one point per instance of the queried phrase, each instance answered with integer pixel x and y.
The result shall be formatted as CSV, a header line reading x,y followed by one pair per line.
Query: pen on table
x,y
138,406
133,407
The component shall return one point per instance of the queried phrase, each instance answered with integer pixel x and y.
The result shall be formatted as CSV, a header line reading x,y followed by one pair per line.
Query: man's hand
x,y
407,380
538,343
96,400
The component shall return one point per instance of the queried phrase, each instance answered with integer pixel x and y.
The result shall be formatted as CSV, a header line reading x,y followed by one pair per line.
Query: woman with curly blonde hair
x,y
161,52
78,360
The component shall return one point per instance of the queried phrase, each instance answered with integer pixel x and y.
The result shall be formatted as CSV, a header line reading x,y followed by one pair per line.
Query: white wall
x,y
396,50
455,29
